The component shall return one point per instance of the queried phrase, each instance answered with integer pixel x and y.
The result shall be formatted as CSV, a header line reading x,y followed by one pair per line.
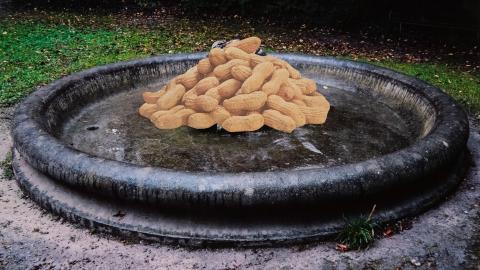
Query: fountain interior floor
x,y
358,127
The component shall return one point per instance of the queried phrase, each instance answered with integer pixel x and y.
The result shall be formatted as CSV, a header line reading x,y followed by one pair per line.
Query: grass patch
x,y
6,166
358,232
33,54
36,52
462,86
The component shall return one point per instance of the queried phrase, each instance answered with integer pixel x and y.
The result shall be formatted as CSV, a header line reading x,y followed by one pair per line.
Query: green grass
x,y
34,53
358,232
462,86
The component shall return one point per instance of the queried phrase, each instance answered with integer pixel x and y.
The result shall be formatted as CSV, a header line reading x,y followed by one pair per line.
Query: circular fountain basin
x,y
82,151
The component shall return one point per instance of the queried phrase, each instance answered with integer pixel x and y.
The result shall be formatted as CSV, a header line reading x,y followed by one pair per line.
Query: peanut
x,y
302,87
167,121
189,96
152,97
213,92
299,102
190,78
249,122
232,43
241,73
297,90
171,84
259,74
308,86
274,59
236,53
237,112
222,72
228,88
204,103
200,120
205,84
315,101
157,114
147,109
219,114
238,90
211,74
289,109
204,66
278,78
248,102
249,45
290,91
257,59
184,114
315,115
294,74
286,92
171,97
217,57
278,121
278,63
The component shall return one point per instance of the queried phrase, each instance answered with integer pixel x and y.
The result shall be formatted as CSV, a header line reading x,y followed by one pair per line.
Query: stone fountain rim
x,y
438,149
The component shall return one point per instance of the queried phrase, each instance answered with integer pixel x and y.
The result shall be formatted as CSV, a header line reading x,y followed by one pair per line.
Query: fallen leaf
x,y
388,232
341,247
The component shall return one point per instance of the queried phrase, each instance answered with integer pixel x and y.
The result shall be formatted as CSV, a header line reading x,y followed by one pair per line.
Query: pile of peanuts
x,y
238,90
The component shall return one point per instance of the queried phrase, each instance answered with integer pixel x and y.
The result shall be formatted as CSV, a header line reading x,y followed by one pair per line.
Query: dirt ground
x,y
443,238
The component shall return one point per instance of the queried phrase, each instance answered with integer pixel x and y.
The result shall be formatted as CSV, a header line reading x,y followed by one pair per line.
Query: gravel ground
x,y
30,238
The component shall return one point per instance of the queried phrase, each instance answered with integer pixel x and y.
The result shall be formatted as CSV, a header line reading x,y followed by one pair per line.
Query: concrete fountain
x,y
83,152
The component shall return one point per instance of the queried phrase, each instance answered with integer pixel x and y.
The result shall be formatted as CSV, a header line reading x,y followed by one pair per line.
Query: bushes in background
x,y
349,12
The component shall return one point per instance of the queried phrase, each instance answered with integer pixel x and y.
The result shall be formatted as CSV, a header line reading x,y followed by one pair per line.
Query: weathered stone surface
x,y
402,182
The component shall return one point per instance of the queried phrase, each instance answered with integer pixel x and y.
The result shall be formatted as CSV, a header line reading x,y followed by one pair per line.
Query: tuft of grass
x,y
358,232
6,166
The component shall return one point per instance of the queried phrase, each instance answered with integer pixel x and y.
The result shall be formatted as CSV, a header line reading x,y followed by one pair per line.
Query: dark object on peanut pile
x,y
222,43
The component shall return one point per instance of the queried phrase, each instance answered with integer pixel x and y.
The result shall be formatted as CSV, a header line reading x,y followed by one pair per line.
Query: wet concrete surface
x,y
358,127
446,237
